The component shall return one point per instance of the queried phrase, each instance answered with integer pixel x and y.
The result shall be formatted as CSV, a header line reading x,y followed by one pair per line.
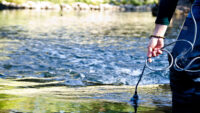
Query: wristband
x,y
155,36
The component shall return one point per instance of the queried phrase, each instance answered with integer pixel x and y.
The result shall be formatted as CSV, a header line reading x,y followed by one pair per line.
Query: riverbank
x,y
182,8
38,95
45,5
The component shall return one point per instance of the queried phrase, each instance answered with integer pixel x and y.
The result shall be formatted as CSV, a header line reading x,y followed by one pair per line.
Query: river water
x,y
42,52
79,47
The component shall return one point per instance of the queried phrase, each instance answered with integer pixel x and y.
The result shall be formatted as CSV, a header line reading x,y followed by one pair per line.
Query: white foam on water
x,y
131,72
92,70
136,72
95,61
122,70
62,56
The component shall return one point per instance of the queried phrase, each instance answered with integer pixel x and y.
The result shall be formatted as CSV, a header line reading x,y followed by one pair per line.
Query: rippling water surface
x,y
80,48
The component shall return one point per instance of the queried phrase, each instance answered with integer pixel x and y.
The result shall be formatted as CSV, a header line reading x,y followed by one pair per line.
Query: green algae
x,y
43,104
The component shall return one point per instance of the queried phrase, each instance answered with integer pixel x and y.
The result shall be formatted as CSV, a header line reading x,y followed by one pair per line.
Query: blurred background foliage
x,y
94,2
15,1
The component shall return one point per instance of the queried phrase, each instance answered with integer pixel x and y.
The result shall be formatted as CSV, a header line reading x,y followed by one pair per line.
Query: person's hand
x,y
154,47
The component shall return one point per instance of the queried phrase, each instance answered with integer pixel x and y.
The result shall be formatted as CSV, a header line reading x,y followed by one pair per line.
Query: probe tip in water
x,y
135,97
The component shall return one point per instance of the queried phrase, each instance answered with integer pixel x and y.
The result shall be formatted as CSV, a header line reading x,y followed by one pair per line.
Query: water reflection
x,y
24,95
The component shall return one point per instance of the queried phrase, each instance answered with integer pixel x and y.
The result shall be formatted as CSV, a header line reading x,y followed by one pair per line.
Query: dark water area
x,y
79,47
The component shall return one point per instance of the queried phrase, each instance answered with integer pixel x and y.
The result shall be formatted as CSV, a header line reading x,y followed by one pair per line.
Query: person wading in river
x,y
185,85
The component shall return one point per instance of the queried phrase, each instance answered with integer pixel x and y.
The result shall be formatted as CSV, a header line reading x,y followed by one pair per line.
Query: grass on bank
x,y
94,2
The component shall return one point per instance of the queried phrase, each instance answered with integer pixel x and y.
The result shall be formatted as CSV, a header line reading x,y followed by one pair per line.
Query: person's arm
x,y
166,10
155,44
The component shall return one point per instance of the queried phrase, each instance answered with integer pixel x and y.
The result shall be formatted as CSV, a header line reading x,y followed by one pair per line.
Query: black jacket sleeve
x,y
166,11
